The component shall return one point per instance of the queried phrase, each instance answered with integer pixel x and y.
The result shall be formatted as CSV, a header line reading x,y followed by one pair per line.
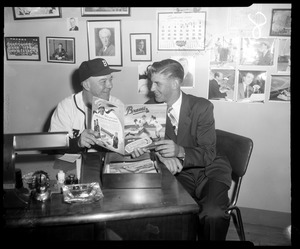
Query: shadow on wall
x,y
76,85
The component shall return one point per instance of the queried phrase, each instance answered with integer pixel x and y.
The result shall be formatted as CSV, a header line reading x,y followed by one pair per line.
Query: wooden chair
x,y
238,150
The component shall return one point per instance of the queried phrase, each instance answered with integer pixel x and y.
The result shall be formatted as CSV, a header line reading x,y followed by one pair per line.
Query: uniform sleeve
x,y
61,118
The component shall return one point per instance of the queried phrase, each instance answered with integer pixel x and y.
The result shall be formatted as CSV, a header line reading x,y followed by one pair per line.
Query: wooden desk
x,y
165,213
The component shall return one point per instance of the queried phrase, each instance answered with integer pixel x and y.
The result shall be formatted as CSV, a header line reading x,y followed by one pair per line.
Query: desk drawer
x,y
175,227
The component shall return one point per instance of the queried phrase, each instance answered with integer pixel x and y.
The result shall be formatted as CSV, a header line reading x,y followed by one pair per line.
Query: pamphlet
x,y
123,128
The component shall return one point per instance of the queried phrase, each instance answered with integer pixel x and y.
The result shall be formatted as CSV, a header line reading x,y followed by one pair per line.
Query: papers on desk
x,y
143,166
71,158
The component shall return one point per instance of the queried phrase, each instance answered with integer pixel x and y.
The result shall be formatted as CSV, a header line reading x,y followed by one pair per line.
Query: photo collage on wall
x,y
252,69
243,65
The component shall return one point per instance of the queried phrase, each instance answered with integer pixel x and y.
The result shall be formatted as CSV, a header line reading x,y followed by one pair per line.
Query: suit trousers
x,y
212,198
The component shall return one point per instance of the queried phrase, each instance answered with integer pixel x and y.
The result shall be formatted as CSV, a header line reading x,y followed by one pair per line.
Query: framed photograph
x,y
22,48
60,49
284,56
281,22
221,84
104,41
188,64
105,11
257,52
36,12
280,88
251,86
140,47
181,31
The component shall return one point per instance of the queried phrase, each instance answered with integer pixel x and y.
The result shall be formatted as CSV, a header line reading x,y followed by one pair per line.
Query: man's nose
x,y
153,87
109,84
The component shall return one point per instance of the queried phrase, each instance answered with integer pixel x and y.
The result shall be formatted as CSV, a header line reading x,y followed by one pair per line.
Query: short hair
x,y
104,31
167,67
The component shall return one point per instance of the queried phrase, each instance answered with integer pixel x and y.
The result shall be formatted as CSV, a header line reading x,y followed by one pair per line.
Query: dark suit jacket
x,y
214,90
196,133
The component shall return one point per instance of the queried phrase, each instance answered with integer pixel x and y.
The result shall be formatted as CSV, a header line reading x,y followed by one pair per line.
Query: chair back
x,y
238,150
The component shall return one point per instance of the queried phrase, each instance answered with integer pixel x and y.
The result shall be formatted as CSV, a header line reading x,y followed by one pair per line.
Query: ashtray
x,y
82,193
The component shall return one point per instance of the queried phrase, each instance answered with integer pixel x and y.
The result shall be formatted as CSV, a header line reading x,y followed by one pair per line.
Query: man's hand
x,y
167,148
138,152
172,163
87,138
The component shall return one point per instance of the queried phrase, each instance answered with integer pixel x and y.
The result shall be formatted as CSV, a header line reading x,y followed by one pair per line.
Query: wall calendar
x,y
181,31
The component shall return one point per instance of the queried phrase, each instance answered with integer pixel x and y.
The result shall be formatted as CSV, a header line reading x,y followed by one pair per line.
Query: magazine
x,y
123,128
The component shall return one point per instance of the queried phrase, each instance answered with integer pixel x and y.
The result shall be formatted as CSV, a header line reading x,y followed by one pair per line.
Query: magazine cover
x,y
123,128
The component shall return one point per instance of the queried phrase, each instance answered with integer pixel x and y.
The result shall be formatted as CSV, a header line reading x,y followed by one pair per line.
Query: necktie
x,y
173,120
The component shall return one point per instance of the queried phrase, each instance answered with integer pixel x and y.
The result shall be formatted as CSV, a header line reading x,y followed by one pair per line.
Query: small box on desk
x,y
125,172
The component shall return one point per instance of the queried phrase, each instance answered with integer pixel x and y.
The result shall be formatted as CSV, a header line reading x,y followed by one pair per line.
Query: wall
x,y
32,89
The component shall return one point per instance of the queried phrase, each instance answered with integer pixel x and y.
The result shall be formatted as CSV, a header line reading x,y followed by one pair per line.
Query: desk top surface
x,y
117,204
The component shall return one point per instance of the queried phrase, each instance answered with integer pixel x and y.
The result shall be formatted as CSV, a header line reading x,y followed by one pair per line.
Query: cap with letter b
x,y
95,67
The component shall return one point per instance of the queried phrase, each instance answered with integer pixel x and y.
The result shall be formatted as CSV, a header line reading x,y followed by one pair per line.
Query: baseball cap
x,y
95,67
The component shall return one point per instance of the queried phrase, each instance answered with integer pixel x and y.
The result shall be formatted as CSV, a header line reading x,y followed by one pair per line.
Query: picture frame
x,y
284,56
140,47
280,89
189,66
22,48
281,22
61,50
251,86
109,47
105,11
181,31
21,13
257,52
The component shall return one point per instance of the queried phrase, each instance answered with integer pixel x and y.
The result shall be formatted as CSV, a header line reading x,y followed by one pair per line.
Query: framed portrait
x,y
105,11
22,48
221,84
280,88
251,86
189,64
60,49
257,52
36,12
181,31
284,56
104,41
281,22
140,47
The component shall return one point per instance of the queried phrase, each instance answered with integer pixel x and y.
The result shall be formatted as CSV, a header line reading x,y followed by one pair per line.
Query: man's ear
x,y
176,84
86,85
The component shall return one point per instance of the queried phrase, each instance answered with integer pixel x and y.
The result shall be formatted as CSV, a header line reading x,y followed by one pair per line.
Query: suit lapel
x,y
184,118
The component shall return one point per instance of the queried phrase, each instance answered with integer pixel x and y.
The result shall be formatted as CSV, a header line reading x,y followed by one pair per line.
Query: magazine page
x,y
143,124
107,120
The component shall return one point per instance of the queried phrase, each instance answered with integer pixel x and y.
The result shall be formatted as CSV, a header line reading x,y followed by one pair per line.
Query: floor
x,y
270,234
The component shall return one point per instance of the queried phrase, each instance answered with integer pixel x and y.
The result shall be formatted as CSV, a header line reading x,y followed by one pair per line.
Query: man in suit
x,y
214,87
108,49
245,90
189,148
140,47
265,56
73,25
